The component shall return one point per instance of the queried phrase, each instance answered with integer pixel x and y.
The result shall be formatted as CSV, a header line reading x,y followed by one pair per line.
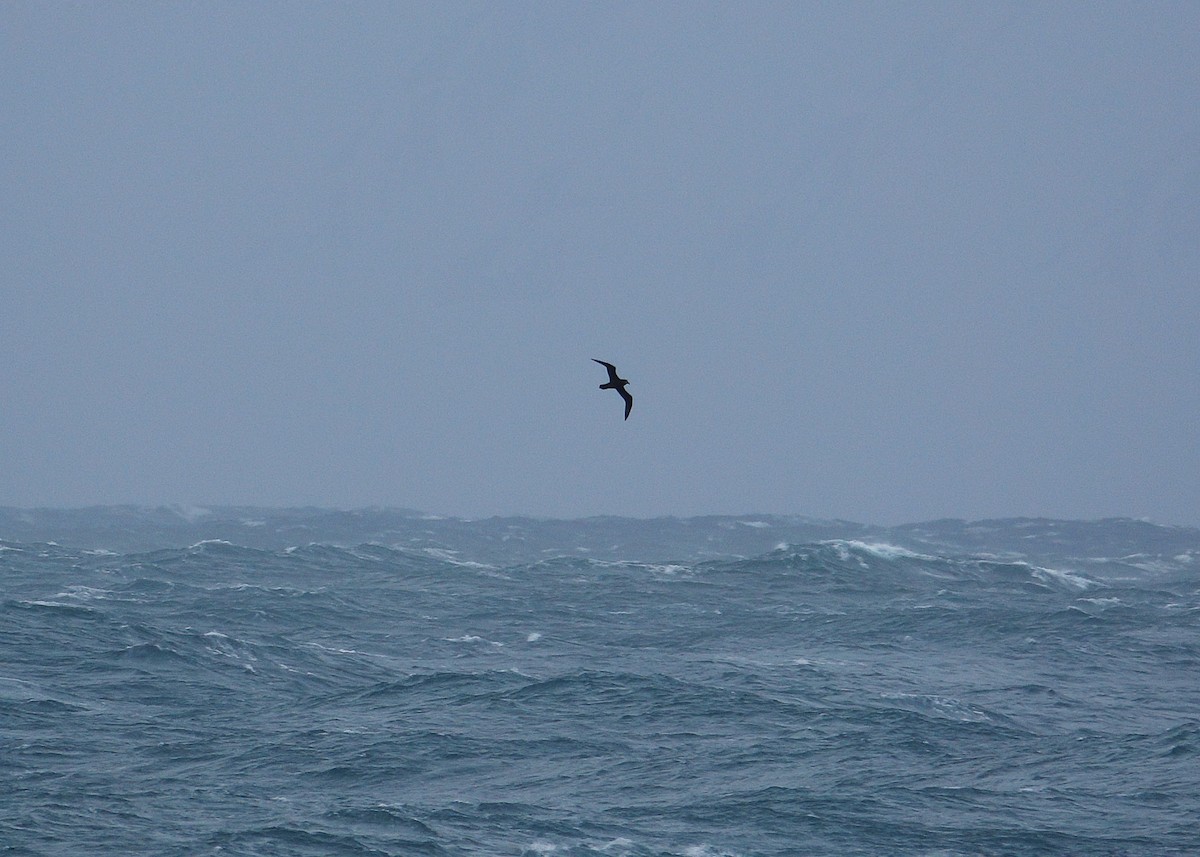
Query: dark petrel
x,y
618,384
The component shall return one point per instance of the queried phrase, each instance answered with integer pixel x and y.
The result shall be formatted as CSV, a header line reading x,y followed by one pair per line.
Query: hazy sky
x,y
879,261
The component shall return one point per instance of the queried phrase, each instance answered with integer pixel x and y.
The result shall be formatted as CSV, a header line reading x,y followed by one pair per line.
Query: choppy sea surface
x,y
905,692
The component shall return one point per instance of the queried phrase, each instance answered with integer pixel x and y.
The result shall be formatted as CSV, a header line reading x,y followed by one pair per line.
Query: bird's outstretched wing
x,y
628,401
612,370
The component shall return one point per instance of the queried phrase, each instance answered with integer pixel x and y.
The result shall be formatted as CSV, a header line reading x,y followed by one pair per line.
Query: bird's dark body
x,y
616,383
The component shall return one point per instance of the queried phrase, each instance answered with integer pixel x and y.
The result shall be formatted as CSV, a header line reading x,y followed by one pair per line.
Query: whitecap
x,y
945,707
668,569
450,556
704,850
883,550
471,638
83,593
1054,575
338,651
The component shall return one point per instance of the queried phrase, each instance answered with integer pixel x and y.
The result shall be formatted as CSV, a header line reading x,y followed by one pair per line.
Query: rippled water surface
x,y
838,697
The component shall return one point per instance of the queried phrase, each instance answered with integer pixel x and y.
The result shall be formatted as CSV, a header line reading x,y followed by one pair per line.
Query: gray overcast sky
x,y
879,261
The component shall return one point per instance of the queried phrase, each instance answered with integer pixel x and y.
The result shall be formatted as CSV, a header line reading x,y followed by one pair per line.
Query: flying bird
x,y
618,384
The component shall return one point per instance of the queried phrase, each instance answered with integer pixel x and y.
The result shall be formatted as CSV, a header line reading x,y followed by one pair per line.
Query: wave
x,y
870,692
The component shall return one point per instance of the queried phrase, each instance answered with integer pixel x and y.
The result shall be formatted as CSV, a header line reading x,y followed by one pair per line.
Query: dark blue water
x,y
830,698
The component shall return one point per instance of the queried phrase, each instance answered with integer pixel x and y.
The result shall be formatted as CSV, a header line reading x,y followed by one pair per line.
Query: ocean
x,y
313,682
